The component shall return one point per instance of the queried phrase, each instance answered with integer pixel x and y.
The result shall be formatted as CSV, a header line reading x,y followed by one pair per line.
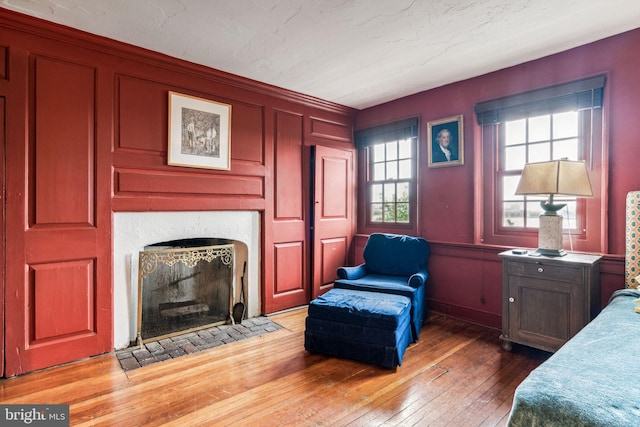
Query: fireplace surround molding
x,y
132,231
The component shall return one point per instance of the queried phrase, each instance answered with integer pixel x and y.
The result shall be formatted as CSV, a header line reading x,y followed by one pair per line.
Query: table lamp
x,y
558,177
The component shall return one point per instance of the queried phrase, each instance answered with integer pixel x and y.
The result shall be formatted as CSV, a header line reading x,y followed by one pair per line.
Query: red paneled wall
x,y
465,274
86,126
86,135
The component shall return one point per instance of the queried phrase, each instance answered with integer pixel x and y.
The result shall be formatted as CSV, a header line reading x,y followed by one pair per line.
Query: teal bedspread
x,y
593,380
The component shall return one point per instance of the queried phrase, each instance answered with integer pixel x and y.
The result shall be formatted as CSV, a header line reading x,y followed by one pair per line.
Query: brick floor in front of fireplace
x,y
193,342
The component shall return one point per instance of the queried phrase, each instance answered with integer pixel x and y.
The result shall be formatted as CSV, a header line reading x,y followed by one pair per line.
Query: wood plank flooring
x,y
455,375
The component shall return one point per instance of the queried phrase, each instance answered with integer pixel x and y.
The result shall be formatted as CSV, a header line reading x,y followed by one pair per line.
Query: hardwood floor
x,y
455,375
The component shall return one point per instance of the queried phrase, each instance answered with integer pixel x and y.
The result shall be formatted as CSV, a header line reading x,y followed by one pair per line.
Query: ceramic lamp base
x,y
550,236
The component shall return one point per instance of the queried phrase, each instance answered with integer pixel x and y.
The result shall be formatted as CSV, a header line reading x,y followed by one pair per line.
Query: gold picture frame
x,y
445,142
199,132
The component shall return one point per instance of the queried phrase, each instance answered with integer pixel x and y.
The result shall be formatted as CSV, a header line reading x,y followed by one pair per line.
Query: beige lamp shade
x,y
557,177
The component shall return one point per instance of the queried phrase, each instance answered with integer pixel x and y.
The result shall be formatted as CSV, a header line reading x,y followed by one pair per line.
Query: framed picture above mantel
x,y
199,133
445,142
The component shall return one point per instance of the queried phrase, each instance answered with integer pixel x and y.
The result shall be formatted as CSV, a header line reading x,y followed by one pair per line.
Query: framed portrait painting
x,y
445,142
199,133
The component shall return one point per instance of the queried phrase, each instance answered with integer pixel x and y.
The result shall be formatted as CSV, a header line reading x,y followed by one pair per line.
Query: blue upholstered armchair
x,y
394,264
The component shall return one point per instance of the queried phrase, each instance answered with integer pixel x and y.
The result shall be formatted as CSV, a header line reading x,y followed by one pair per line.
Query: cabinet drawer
x,y
542,270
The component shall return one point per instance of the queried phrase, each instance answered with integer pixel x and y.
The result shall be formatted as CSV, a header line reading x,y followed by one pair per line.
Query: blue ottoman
x,y
370,327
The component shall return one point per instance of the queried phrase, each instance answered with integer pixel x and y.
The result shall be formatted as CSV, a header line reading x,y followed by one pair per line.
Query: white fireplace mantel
x,y
132,231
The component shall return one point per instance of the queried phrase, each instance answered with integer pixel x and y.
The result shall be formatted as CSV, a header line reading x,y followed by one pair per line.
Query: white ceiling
x,y
356,53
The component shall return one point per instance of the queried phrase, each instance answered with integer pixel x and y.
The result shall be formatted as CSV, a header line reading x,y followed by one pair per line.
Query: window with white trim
x,y
390,180
387,177
532,140
563,121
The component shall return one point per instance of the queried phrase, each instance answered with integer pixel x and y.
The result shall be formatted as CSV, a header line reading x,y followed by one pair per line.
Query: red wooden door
x,y
333,215
58,222
294,276
286,264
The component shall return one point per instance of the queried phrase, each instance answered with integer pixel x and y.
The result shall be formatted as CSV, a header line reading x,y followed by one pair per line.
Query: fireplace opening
x,y
184,285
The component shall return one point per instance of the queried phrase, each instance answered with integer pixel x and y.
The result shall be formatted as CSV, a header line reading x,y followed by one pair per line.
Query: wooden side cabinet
x,y
547,300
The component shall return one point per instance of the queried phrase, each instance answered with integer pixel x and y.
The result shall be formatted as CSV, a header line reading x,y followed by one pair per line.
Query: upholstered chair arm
x,y
352,273
418,279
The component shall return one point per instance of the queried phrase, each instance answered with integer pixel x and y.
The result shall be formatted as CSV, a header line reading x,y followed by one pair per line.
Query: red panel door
x,y
333,215
58,235
286,265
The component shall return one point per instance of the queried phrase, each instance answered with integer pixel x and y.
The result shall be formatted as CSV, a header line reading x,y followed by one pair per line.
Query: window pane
x,y
389,192
565,125
404,148
392,150
376,212
539,152
509,185
567,148
513,214
537,199
376,193
378,153
389,212
378,172
403,191
404,167
392,170
533,213
539,128
402,212
514,158
515,132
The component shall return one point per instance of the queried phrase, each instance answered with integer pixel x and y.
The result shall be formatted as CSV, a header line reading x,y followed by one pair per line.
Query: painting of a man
x,y
445,142
443,150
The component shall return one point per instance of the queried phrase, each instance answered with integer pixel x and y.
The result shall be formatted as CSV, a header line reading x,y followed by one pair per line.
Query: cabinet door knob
x,y
540,270
512,299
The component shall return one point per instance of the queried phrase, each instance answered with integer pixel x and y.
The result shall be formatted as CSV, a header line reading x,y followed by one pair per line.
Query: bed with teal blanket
x,y
593,380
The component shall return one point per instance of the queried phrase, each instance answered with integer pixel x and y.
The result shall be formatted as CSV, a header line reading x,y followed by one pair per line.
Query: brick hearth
x,y
193,342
